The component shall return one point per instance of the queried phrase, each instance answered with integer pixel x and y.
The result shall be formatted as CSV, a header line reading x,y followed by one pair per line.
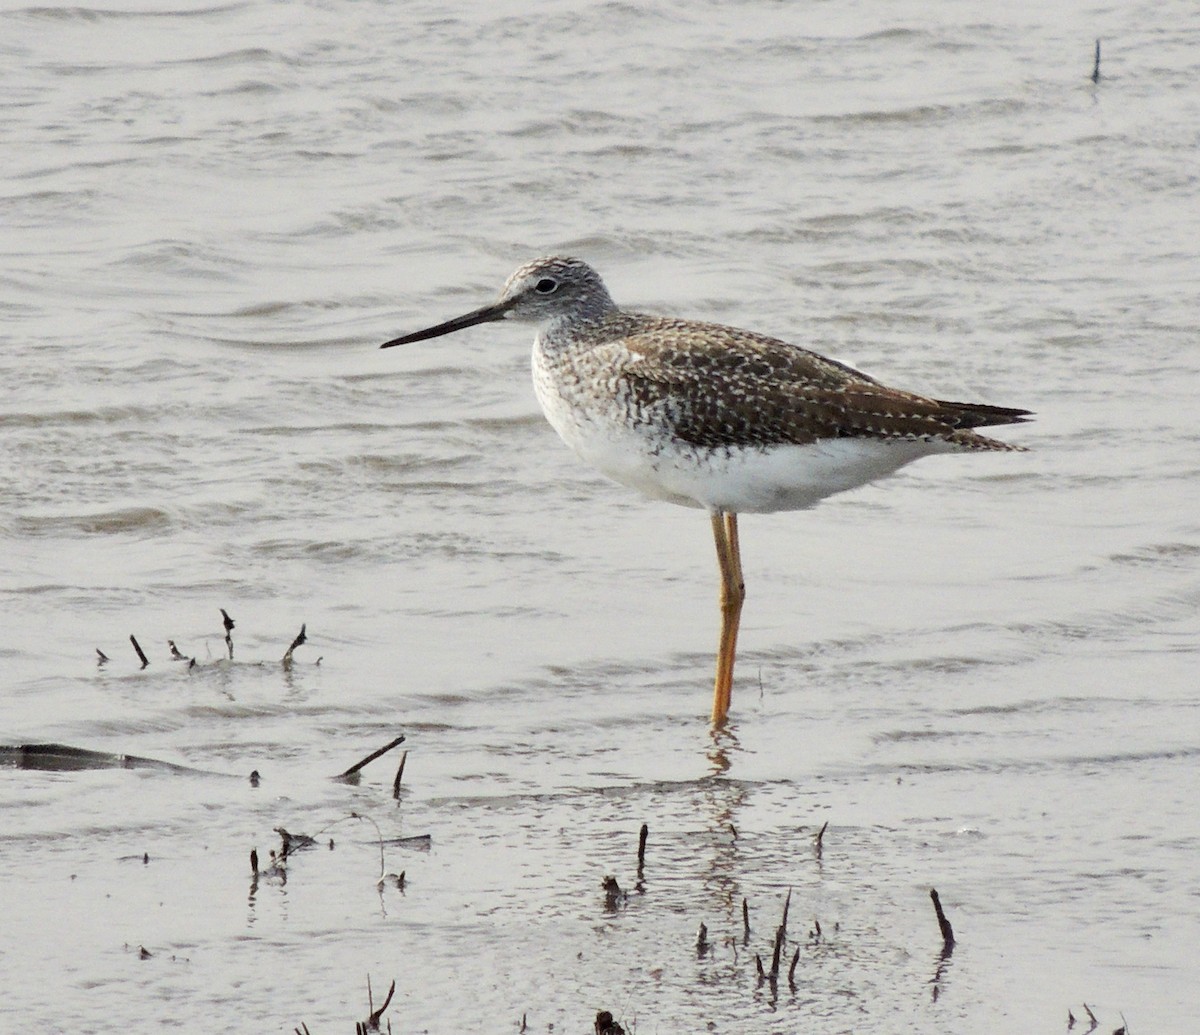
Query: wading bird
x,y
714,417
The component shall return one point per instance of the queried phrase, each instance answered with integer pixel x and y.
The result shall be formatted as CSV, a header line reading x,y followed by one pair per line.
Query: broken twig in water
x,y
140,653
1096,66
353,771
63,758
780,938
399,775
101,657
745,919
792,969
372,1022
298,641
642,835
276,870
819,840
228,623
943,923
417,842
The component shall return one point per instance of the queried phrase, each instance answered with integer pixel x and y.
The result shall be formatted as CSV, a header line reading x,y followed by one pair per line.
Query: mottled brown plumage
x,y
715,387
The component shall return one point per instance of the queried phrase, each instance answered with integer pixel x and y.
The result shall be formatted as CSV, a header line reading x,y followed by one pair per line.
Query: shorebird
x,y
714,417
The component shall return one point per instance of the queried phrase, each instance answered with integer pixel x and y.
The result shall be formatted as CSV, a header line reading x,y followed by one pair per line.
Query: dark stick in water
x,y
300,639
399,775
943,923
140,653
373,1020
371,758
228,629
779,936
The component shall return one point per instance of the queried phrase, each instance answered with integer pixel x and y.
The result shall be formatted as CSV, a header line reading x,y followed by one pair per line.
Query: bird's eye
x,y
546,285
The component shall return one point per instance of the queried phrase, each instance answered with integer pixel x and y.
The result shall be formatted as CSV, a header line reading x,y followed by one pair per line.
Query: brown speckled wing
x,y
717,386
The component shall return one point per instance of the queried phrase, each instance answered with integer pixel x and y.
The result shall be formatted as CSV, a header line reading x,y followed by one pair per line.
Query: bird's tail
x,y
981,415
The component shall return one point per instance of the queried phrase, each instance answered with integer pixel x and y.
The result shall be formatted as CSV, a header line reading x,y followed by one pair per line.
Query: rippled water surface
x,y
981,674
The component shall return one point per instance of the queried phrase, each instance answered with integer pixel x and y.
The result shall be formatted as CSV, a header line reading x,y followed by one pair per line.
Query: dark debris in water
x,y
614,897
607,1025
227,625
62,758
65,758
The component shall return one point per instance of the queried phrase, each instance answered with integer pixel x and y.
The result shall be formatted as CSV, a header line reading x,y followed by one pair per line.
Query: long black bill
x,y
488,314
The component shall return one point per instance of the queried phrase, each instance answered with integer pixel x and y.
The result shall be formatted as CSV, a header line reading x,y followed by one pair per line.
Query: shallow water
x,y
982,673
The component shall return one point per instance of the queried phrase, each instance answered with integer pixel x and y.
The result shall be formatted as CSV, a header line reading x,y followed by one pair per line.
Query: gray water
x,y
982,673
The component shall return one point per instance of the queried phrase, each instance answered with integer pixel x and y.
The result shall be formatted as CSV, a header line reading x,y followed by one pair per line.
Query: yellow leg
x,y
733,593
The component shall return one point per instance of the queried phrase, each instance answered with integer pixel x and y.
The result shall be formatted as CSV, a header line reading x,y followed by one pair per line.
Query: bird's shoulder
x,y
675,352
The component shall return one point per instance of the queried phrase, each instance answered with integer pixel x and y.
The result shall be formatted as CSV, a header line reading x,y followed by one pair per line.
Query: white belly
x,y
738,480
752,481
